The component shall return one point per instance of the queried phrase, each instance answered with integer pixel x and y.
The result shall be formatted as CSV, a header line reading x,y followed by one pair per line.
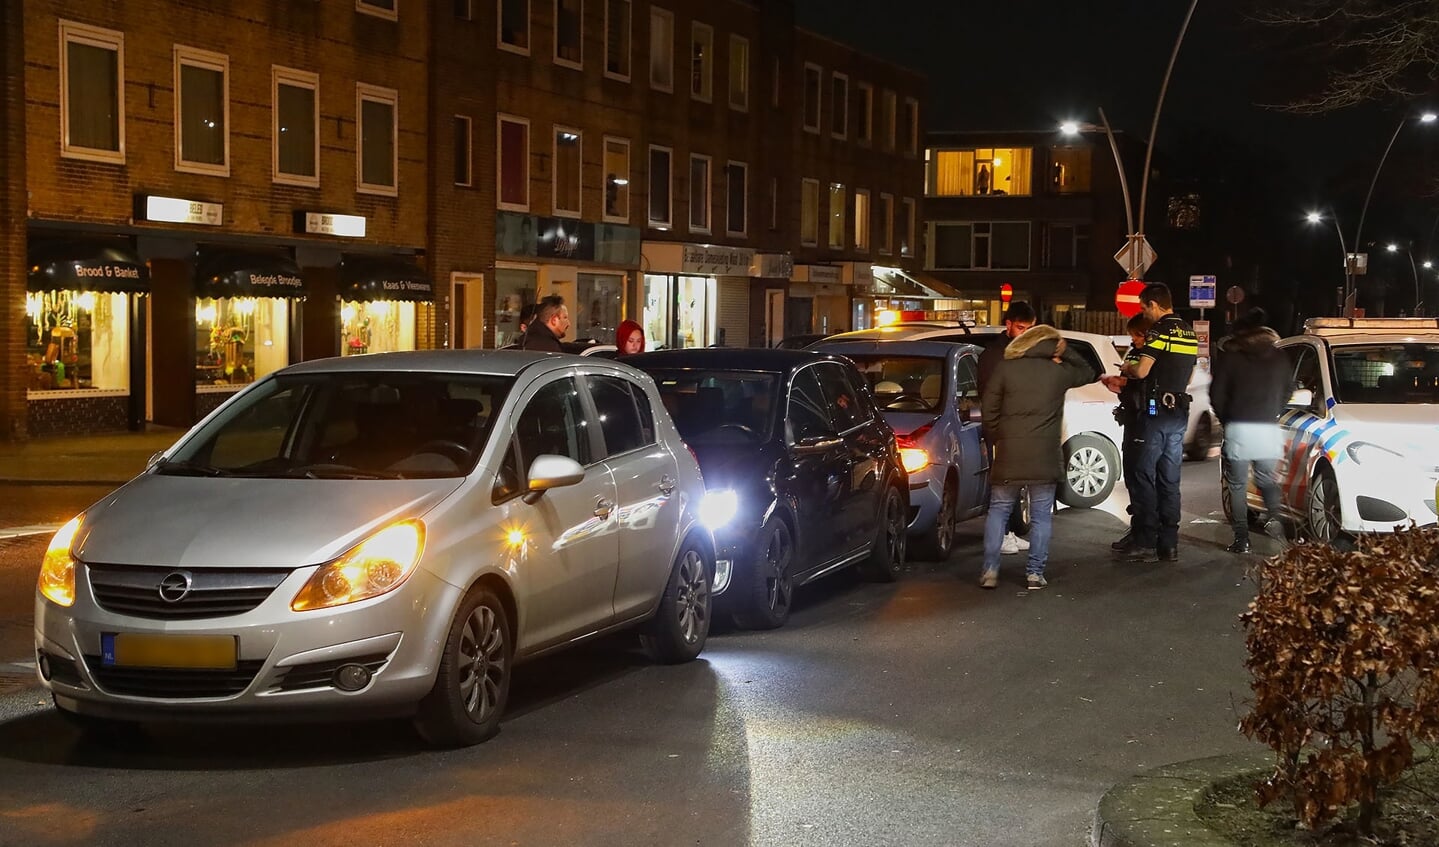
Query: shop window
x,y
378,326
240,339
886,224
660,208
617,180
836,216
739,73
617,39
865,132
658,299
514,25
378,8
736,198
861,220
514,290
1069,169
463,137
910,127
662,49
812,77
980,172
599,301
77,340
699,193
514,163
838,105
907,228
567,172
92,77
702,43
202,111
569,47
378,134
999,245
809,213
296,127
889,119
679,311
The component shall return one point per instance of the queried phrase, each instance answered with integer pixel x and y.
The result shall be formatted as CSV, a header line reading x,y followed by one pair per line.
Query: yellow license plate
x,y
135,650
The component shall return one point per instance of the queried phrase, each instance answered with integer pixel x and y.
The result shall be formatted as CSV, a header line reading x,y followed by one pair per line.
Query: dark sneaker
x,y
1124,544
1238,548
1170,555
1142,554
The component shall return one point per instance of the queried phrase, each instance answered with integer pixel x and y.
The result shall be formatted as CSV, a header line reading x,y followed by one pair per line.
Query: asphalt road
x,y
925,712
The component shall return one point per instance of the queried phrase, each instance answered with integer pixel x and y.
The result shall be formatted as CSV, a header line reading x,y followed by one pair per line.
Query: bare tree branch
x,y
1366,49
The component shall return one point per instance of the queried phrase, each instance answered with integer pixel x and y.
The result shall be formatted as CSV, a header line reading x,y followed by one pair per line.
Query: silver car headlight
x,y
718,508
375,566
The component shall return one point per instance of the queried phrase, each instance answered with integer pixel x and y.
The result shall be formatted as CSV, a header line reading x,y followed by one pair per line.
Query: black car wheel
x,y
886,558
939,541
473,682
678,630
769,585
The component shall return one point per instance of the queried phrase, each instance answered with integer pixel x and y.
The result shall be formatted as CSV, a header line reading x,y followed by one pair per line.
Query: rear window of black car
x,y
720,407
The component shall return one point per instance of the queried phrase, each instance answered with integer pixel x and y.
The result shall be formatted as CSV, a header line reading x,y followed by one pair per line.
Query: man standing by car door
x,y
1165,363
1023,406
1018,318
1251,386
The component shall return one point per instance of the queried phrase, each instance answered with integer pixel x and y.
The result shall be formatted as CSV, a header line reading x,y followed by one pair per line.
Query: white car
x,y
1361,432
1092,436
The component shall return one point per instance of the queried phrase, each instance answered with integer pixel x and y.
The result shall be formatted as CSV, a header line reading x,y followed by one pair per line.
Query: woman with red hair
x,y
629,339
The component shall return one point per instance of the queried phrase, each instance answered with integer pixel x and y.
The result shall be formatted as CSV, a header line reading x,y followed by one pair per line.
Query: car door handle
x,y
666,485
603,507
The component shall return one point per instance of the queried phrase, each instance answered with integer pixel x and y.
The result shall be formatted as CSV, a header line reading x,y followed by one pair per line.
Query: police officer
x,y
1127,413
1165,363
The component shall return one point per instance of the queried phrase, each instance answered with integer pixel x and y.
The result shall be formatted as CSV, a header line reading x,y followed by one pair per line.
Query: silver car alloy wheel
x,y
482,663
693,597
1088,472
1325,521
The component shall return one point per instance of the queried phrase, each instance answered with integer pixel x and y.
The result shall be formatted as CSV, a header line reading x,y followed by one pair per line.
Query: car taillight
x,y
912,438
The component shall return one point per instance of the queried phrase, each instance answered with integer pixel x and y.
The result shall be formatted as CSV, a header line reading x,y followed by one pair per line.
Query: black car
x,y
799,342
803,474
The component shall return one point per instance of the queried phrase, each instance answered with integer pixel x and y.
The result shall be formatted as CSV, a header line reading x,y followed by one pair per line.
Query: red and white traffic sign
x,y
1126,298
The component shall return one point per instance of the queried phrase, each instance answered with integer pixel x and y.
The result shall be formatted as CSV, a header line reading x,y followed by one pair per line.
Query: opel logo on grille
x,y
175,586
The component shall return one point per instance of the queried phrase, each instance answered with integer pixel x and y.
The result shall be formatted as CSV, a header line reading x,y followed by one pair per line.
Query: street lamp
x,y
1423,118
1073,128
1318,217
1418,297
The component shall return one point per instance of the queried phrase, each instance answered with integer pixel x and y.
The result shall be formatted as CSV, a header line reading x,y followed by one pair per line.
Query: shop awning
x,y
383,278
905,283
85,265
223,272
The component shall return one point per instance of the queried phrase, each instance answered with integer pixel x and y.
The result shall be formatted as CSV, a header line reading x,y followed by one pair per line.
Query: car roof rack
x,y
1314,325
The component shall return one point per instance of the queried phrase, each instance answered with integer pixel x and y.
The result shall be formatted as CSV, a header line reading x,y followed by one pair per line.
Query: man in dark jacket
x,y
551,322
1023,408
1251,385
1017,318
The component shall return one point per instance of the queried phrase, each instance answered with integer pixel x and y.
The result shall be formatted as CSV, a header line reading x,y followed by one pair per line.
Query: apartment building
x,y
1040,211
200,194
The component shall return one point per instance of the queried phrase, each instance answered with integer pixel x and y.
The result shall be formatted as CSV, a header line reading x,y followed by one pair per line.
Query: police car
x,y
1361,431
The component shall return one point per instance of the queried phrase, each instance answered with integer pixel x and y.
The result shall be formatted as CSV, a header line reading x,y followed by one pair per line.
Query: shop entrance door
x,y
467,311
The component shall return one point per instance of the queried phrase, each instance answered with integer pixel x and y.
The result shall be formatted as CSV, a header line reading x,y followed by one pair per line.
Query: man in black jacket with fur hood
x,y
1251,385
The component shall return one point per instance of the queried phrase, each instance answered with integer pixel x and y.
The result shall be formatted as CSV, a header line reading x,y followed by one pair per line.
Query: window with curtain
x,y
514,156
567,171
296,149
377,139
93,110
861,220
203,134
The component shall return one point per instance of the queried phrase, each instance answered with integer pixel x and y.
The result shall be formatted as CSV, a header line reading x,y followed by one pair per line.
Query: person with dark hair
x,y
1018,318
549,325
1165,363
1251,385
1129,415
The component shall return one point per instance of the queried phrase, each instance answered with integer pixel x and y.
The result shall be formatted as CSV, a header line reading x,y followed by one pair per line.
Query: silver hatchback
x,y
378,535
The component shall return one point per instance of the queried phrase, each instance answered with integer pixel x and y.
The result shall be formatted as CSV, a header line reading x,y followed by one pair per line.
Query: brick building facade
x,y
202,194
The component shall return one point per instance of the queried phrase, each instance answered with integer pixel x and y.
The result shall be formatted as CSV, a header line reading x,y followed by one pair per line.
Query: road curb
x,y
1157,807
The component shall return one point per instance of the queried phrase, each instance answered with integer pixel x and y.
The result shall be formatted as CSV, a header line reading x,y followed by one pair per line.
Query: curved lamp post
x,y
1414,269
1318,217
1425,118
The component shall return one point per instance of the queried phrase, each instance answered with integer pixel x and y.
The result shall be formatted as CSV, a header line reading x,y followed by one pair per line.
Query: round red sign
x,y
1126,298
1006,291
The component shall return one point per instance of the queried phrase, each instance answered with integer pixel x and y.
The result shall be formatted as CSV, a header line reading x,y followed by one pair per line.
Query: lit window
x,y
836,216
861,220
296,127
980,172
378,136
1069,170
92,76
77,340
202,110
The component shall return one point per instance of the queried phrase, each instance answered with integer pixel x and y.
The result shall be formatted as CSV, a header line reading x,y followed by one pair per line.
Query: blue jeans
x,y
1002,500
1236,472
1155,496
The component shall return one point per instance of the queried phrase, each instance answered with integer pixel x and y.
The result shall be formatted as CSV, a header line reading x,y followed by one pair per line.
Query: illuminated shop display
x,y
384,302
240,339
679,311
377,326
77,340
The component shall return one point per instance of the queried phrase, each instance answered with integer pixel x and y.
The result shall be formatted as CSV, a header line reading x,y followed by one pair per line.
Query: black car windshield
x,y
348,425
720,407
1386,373
904,383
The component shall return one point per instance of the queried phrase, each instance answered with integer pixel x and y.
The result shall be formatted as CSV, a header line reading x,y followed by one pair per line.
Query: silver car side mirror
x,y
551,471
